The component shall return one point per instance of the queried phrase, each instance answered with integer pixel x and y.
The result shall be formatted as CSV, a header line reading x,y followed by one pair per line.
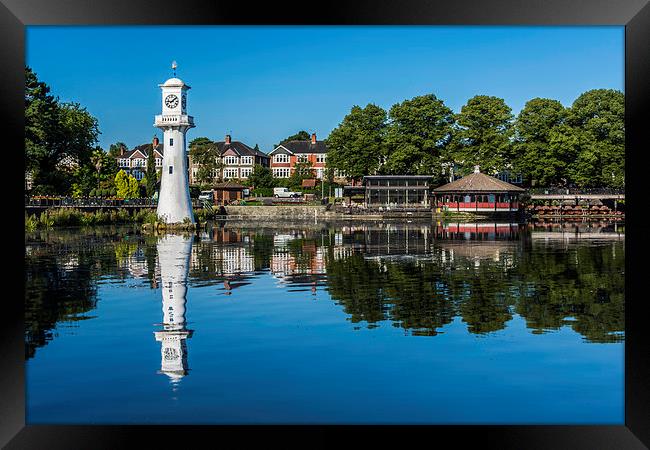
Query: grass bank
x,y
70,217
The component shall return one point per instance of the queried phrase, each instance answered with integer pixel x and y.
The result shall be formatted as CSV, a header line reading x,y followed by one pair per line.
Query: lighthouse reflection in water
x,y
174,260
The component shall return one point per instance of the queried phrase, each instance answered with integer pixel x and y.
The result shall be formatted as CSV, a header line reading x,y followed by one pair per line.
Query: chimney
x,y
227,139
121,150
313,138
155,142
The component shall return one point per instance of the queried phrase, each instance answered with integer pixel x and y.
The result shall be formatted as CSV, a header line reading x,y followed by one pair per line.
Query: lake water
x,y
315,323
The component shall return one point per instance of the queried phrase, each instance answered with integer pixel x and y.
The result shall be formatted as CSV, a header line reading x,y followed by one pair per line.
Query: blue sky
x,y
261,84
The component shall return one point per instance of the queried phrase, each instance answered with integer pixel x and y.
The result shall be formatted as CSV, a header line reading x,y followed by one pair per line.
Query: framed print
x,y
391,220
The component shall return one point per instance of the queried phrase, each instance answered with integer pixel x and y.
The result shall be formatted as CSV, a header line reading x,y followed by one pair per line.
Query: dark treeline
x,y
548,144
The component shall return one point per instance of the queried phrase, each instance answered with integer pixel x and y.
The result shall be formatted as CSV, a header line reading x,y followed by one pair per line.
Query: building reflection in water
x,y
174,259
420,276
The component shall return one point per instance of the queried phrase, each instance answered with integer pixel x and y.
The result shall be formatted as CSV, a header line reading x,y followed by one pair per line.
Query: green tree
x,y
261,177
151,175
538,123
98,173
356,146
114,150
127,186
205,154
299,136
59,137
482,135
599,115
418,136
302,170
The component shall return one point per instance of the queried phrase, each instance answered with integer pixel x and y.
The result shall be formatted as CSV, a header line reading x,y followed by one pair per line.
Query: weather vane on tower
x,y
174,66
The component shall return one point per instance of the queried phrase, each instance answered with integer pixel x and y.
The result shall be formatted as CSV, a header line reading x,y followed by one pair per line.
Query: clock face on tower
x,y
171,101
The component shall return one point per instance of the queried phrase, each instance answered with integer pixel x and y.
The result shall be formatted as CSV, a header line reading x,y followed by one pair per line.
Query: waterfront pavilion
x,y
397,191
477,192
227,192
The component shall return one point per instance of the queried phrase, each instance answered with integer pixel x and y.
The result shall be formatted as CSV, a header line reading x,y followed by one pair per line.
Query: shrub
x,y
45,220
123,216
203,214
88,219
262,192
31,222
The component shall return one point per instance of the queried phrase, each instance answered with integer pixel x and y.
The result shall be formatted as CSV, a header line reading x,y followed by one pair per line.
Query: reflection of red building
x,y
477,231
478,192
284,264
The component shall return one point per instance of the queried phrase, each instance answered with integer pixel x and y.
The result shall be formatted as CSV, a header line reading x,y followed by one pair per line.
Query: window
x,y
230,160
171,168
320,158
303,158
248,160
282,172
281,158
319,173
230,173
171,141
158,162
245,172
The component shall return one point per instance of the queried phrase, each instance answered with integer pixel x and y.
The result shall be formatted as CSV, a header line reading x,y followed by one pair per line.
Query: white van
x,y
283,192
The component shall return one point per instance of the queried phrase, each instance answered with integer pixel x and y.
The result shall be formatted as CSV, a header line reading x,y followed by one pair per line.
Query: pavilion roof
x,y
229,185
478,182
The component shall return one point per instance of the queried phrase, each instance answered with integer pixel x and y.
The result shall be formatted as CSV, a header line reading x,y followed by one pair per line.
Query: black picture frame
x,y
633,14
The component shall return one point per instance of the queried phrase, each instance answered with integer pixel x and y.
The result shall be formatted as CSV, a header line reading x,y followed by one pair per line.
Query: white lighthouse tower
x,y
174,259
174,204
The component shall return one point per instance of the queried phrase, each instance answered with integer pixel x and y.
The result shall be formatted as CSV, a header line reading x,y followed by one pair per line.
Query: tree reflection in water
x,y
417,276
484,280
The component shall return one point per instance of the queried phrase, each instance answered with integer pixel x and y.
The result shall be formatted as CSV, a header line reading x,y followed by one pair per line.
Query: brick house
x,y
285,156
238,159
134,162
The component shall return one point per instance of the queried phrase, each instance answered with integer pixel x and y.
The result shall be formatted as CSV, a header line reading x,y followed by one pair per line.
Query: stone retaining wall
x,y
274,212
317,212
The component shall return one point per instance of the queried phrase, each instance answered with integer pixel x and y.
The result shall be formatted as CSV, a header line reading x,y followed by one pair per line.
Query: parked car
x,y
283,192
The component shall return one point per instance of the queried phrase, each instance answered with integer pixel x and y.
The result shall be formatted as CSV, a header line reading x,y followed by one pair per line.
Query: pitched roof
x,y
304,147
478,182
144,149
229,185
240,148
